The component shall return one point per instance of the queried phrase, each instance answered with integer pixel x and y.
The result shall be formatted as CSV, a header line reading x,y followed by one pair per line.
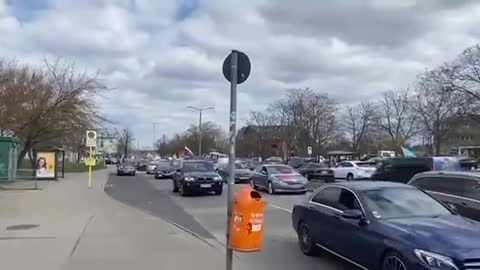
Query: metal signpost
x,y
236,69
90,142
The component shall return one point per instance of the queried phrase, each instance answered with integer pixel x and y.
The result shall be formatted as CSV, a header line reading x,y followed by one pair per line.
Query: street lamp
x,y
200,110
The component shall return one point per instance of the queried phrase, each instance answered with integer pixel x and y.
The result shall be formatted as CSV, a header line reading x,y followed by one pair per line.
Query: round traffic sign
x,y
243,67
91,134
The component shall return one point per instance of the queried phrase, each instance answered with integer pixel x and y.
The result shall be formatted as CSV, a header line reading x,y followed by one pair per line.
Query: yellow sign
x,y
45,165
90,161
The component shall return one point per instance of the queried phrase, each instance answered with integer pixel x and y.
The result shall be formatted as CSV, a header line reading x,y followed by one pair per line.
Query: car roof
x,y
368,185
472,174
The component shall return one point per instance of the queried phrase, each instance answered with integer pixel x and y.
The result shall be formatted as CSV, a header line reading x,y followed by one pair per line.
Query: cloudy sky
x,y
163,55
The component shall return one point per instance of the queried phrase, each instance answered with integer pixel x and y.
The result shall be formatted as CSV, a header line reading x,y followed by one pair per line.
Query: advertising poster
x,y
45,165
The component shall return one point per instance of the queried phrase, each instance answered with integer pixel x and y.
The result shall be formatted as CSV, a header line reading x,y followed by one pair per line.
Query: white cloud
x,y
158,64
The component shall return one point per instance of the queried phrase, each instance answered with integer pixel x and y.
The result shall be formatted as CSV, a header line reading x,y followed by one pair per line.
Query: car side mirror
x,y
352,214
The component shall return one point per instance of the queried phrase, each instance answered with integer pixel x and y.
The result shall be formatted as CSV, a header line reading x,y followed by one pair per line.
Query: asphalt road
x,y
205,215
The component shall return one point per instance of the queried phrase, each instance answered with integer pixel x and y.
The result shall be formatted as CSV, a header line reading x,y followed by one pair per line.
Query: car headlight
x,y
217,178
189,178
434,260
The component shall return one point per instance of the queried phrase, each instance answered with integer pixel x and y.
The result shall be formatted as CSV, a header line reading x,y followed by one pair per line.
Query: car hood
x,y
200,174
290,177
444,234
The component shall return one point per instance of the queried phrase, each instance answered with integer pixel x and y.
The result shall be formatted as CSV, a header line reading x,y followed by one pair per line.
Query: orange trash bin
x,y
246,221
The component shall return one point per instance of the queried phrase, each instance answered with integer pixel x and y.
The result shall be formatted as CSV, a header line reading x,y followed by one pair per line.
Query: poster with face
x,y
45,165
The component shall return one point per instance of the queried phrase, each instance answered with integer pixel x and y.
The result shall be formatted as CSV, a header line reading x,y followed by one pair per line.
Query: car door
x,y
263,177
342,170
472,203
257,176
352,231
324,208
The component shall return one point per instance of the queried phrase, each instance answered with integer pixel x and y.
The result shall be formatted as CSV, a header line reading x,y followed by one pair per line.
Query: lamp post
x,y
200,110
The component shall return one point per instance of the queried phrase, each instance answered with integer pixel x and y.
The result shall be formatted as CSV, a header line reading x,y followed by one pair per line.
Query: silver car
x,y
277,178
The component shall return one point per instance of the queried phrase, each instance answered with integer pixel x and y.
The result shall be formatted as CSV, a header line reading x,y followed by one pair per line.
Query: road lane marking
x,y
281,208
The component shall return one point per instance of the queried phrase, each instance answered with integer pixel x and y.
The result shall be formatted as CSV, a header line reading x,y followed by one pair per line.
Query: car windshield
x,y
127,164
279,169
366,164
197,166
163,164
390,203
240,166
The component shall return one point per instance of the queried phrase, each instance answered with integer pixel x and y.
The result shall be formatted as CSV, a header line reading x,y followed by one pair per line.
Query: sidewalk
x,y
79,228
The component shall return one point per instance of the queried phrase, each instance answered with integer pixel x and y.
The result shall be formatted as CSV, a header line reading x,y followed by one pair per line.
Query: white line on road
x,y
281,208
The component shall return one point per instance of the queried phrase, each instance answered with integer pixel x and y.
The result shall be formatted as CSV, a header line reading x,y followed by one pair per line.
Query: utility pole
x,y
127,138
154,137
200,110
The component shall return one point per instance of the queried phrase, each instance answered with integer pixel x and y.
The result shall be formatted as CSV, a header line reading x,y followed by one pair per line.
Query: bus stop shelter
x,y
8,159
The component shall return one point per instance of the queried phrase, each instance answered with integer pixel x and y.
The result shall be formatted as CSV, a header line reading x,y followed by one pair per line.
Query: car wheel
x,y
182,191
270,188
218,191
349,177
393,261
305,240
157,177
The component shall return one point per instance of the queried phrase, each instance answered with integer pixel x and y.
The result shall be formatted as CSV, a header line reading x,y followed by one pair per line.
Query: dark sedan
x,y
196,176
242,173
164,169
386,226
317,171
126,168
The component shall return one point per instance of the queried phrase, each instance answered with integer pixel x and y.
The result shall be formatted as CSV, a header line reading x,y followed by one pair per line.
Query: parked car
x,y
352,170
196,176
278,160
386,226
317,171
296,162
141,165
152,165
164,169
278,178
242,173
126,168
403,169
459,190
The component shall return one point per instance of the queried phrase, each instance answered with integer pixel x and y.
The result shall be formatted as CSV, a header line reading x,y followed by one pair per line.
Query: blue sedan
x,y
386,226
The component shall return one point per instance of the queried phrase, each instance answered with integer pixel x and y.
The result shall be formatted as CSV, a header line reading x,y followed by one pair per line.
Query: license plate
x,y
323,172
205,185
244,178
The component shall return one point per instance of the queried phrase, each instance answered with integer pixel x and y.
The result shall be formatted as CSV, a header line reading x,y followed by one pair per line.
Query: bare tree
x,y
44,107
397,116
437,106
359,119
464,72
312,117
